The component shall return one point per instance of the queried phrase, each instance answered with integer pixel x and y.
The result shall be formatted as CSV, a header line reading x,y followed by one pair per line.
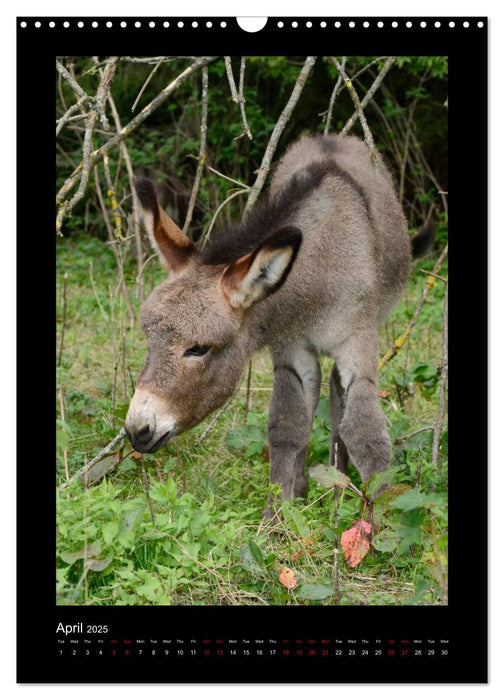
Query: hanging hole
x,y
251,24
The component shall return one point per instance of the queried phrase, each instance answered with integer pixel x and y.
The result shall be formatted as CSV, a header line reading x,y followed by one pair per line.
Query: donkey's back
x,y
353,213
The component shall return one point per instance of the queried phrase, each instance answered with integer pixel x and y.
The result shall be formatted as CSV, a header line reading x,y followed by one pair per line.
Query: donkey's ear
x,y
258,274
172,245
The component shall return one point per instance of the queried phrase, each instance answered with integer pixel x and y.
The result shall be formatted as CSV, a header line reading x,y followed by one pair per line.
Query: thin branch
x,y
105,451
71,81
87,164
230,77
63,323
256,188
117,254
212,423
146,487
411,111
237,96
136,203
442,388
367,97
368,136
241,100
96,156
62,413
151,74
334,94
202,149
66,117
403,438
397,344
219,208
226,177
438,277
335,571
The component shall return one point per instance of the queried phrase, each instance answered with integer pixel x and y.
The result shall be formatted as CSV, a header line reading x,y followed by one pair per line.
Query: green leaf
x,y
386,541
256,553
314,591
99,564
92,550
198,522
409,530
132,517
410,500
127,465
248,560
295,518
375,483
244,436
328,477
109,531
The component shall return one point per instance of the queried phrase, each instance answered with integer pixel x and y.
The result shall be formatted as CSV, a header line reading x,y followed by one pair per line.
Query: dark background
x,y
37,612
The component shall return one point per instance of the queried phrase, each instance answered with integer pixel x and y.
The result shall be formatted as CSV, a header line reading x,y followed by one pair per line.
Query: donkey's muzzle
x,y
143,439
149,424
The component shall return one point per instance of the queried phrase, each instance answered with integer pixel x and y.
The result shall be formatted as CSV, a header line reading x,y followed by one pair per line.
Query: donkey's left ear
x,y
174,248
262,272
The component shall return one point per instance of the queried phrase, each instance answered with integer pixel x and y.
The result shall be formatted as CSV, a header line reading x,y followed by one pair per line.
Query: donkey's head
x,y
196,325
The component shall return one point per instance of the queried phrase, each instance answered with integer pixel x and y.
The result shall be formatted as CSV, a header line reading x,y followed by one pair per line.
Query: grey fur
x,y
350,270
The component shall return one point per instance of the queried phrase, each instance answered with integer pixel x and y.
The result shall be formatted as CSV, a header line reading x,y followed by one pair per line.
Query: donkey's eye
x,y
197,351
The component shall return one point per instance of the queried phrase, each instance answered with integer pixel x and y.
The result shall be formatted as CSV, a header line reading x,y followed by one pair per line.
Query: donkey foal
x,y
312,270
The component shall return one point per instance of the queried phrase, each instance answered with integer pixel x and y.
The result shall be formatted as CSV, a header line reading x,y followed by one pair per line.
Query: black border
x,y
464,620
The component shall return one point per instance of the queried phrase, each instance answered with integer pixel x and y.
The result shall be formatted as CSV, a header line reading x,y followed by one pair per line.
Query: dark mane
x,y
271,213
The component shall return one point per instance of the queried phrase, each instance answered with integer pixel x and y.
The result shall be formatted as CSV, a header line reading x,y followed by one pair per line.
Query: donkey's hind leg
x,y
296,390
338,453
363,428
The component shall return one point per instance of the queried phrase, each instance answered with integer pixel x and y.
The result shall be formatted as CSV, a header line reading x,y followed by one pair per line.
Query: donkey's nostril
x,y
144,434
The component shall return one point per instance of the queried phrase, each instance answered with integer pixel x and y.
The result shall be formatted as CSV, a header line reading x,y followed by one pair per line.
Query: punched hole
x,y
252,24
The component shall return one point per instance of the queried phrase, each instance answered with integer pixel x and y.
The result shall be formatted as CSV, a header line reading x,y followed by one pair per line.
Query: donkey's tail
x,y
422,242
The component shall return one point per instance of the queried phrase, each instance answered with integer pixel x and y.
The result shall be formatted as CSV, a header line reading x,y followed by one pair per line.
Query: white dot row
x,y
124,24
380,24
294,24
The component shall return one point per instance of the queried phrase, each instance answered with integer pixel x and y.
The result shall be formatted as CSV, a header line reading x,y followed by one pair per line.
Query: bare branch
x,y
397,345
96,156
63,120
256,188
100,98
161,60
202,150
241,98
106,450
442,388
218,210
368,136
334,94
230,77
71,80
367,97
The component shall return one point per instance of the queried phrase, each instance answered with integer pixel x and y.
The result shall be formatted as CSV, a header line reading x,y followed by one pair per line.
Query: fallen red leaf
x,y
355,542
288,578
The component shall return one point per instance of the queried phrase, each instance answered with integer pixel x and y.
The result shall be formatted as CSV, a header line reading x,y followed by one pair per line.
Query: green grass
x,y
207,544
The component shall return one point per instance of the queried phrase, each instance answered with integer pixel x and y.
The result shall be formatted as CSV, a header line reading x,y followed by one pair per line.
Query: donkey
x,y
312,270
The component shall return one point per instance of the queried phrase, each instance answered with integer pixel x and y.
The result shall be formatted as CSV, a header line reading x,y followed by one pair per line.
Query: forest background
x,y
183,526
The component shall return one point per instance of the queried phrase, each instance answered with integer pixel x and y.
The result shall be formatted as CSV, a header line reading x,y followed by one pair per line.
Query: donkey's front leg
x,y
296,390
363,428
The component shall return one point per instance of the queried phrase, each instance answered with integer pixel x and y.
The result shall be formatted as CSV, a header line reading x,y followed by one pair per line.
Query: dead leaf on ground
x,y
288,578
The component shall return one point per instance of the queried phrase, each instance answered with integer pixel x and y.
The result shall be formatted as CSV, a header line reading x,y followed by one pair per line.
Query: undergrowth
x,y
201,540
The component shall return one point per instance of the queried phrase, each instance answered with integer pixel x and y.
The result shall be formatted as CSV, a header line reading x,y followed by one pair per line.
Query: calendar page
x,y
256,473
